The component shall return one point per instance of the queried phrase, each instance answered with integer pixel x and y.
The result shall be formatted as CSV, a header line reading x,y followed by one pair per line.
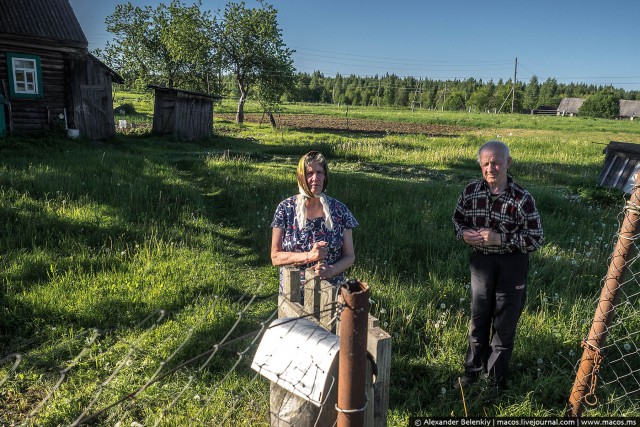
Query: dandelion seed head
x,y
627,346
443,306
540,361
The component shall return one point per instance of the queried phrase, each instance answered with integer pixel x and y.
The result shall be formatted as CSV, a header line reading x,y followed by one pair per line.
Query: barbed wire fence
x,y
607,377
115,401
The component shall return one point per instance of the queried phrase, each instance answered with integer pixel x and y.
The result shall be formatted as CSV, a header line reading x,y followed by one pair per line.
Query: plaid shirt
x,y
513,215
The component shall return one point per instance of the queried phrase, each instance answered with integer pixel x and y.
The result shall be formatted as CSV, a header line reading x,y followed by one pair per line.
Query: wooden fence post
x,y
320,296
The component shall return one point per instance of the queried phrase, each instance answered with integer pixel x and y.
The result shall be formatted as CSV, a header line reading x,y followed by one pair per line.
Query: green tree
x,y
604,104
455,101
251,48
480,99
549,93
169,45
531,94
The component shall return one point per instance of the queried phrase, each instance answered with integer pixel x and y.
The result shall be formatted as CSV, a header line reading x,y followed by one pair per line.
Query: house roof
x,y
570,105
629,108
115,77
50,20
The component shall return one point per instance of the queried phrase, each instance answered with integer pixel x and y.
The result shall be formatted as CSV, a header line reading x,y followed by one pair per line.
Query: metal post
x,y
352,368
584,385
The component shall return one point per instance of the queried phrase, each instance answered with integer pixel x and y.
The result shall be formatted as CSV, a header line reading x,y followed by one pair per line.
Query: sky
x,y
580,41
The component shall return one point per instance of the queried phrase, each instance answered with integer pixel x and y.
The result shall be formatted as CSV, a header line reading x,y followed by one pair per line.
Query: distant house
x,y
629,109
570,106
48,78
182,113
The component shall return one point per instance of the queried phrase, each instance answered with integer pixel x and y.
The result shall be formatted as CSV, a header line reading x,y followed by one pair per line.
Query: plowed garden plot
x,y
311,122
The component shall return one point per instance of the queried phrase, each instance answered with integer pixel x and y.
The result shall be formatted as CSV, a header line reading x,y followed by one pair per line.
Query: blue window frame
x,y
25,75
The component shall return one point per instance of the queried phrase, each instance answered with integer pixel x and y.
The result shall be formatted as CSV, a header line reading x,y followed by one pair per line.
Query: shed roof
x,y
183,91
51,20
570,105
629,108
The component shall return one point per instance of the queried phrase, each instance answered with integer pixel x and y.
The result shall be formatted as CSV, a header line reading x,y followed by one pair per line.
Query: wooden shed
x,y
621,164
182,113
629,109
48,77
570,106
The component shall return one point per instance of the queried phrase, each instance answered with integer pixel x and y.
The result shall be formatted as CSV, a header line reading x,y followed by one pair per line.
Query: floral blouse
x,y
297,239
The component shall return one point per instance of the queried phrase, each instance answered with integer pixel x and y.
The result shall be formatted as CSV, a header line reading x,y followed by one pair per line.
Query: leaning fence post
x,y
352,366
583,390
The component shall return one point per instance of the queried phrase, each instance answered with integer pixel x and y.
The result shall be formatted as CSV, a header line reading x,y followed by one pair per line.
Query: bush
x,y
605,105
126,108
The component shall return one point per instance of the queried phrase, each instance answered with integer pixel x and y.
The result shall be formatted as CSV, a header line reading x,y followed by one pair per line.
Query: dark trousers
x,y
498,293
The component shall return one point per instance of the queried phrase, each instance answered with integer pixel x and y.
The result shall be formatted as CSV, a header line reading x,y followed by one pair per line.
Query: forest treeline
x,y
390,90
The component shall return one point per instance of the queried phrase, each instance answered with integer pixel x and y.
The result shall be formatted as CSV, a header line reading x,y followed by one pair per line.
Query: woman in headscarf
x,y
312,229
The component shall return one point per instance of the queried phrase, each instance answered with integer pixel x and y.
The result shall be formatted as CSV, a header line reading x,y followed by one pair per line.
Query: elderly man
x,y
498,219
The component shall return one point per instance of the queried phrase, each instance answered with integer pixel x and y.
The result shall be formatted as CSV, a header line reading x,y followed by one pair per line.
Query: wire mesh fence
x,y
607,377
167,376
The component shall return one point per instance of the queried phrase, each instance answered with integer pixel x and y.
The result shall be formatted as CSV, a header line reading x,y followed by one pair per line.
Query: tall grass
x,y
106,235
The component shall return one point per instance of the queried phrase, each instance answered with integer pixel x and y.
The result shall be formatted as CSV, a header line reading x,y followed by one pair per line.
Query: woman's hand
x,y
324,270
318,252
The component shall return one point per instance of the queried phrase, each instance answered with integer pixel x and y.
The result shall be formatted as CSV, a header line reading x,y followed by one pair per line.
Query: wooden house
x,y
182,113
48,78
629,109
570,106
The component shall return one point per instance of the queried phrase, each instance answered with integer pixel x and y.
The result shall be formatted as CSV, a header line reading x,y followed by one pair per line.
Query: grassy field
x,y
123,260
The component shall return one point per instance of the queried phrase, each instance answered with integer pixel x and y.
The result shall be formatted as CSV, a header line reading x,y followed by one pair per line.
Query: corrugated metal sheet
x,y
51,20
621,164
629,108
570,105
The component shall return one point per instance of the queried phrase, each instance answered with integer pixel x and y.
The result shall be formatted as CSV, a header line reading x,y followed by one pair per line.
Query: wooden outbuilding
x,y
629,109
48,77
570,106
182,113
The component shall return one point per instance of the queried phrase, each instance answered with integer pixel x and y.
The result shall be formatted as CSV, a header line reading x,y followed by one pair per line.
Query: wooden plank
x,y
379,346
289,300
328,298
312,293
620,172
91,87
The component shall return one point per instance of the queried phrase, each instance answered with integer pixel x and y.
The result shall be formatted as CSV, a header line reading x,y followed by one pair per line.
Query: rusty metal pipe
x,y
352,362
584,384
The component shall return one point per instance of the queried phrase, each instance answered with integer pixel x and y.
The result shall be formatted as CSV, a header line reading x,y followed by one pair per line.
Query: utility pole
x,y
444,97
513,86
417,94
378,94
